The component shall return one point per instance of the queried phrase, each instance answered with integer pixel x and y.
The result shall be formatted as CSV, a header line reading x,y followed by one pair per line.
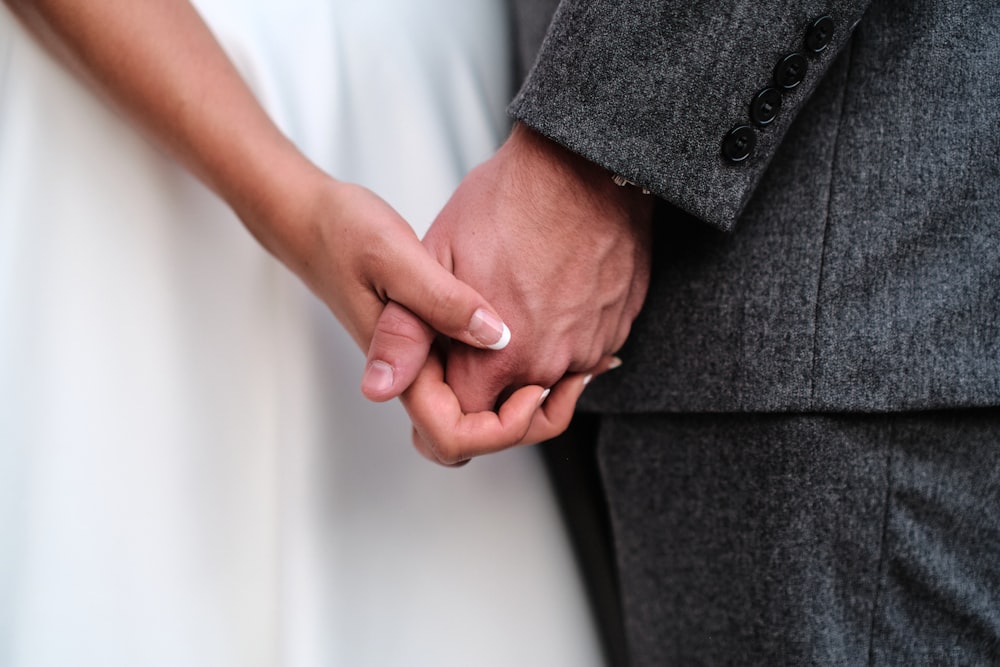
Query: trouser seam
x,y
880,572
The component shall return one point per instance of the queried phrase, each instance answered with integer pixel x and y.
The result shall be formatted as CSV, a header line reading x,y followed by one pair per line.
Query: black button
x,y
739,143
819,34
790,71
765,105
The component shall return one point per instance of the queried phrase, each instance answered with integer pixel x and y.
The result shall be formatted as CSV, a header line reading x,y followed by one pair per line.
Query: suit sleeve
x,y
687,99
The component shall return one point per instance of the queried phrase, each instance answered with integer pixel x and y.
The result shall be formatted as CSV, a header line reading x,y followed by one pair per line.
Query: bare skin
x,y
158,63
564,252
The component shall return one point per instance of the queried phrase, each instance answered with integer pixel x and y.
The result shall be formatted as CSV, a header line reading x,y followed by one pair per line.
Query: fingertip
x,y
488,330
519,410
543,396
504,339
608,363
526,400
397,351
557,409
377,381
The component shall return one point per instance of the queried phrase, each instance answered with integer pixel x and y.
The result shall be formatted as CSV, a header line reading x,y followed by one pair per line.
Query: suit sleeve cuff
x,y
677,100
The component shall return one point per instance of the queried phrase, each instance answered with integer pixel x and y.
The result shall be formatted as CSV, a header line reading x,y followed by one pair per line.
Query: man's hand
x,y
561,251
356,253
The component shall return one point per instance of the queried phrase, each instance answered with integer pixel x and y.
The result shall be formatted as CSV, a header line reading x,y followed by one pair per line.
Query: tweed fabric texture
x,y
807,539
648,89
851,266
863,269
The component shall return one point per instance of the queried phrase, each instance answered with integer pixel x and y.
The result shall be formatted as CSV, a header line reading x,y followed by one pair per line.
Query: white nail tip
x,y
504,339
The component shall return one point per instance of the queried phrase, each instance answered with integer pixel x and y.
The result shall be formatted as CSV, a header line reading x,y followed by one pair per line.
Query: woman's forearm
x,y
158,62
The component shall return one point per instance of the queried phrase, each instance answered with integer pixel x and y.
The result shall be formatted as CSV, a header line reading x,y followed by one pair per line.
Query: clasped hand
x,y
564,255
541,233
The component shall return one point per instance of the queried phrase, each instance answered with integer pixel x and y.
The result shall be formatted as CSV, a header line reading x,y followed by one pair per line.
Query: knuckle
x,y
552,369
420,444
549,374
477,378
431,445
622,335
589,360
449,451
446,303
398,326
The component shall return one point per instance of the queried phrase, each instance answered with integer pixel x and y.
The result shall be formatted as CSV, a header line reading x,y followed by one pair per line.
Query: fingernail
x,y
545,394
587,379
489,330
615,363
377,378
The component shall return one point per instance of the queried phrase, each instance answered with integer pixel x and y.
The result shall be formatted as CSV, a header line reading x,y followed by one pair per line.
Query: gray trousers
x,y
806,539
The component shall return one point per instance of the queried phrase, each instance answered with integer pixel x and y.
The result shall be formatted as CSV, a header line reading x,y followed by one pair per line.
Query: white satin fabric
x,y
188,474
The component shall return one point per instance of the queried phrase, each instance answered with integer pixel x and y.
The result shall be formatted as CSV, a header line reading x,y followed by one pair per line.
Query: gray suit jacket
x,y
852,260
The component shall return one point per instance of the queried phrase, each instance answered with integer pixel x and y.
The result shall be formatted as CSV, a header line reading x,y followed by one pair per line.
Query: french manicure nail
x,y
587,379
378,378
615,363
545,394
489,330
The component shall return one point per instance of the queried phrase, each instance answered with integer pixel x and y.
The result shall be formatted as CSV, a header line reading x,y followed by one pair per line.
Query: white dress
x,y
188,474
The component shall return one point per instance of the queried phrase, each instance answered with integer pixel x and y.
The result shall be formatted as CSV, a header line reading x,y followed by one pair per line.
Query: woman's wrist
x,y
277,194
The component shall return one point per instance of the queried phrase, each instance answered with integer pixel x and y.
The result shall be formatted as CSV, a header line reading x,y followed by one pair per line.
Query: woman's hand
x,y
158,62
357,254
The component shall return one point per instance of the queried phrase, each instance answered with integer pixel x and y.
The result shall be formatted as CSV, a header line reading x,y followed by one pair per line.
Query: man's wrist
x,y
564,169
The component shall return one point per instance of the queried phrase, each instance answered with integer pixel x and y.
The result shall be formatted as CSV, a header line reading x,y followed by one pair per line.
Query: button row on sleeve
x,y
790,71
